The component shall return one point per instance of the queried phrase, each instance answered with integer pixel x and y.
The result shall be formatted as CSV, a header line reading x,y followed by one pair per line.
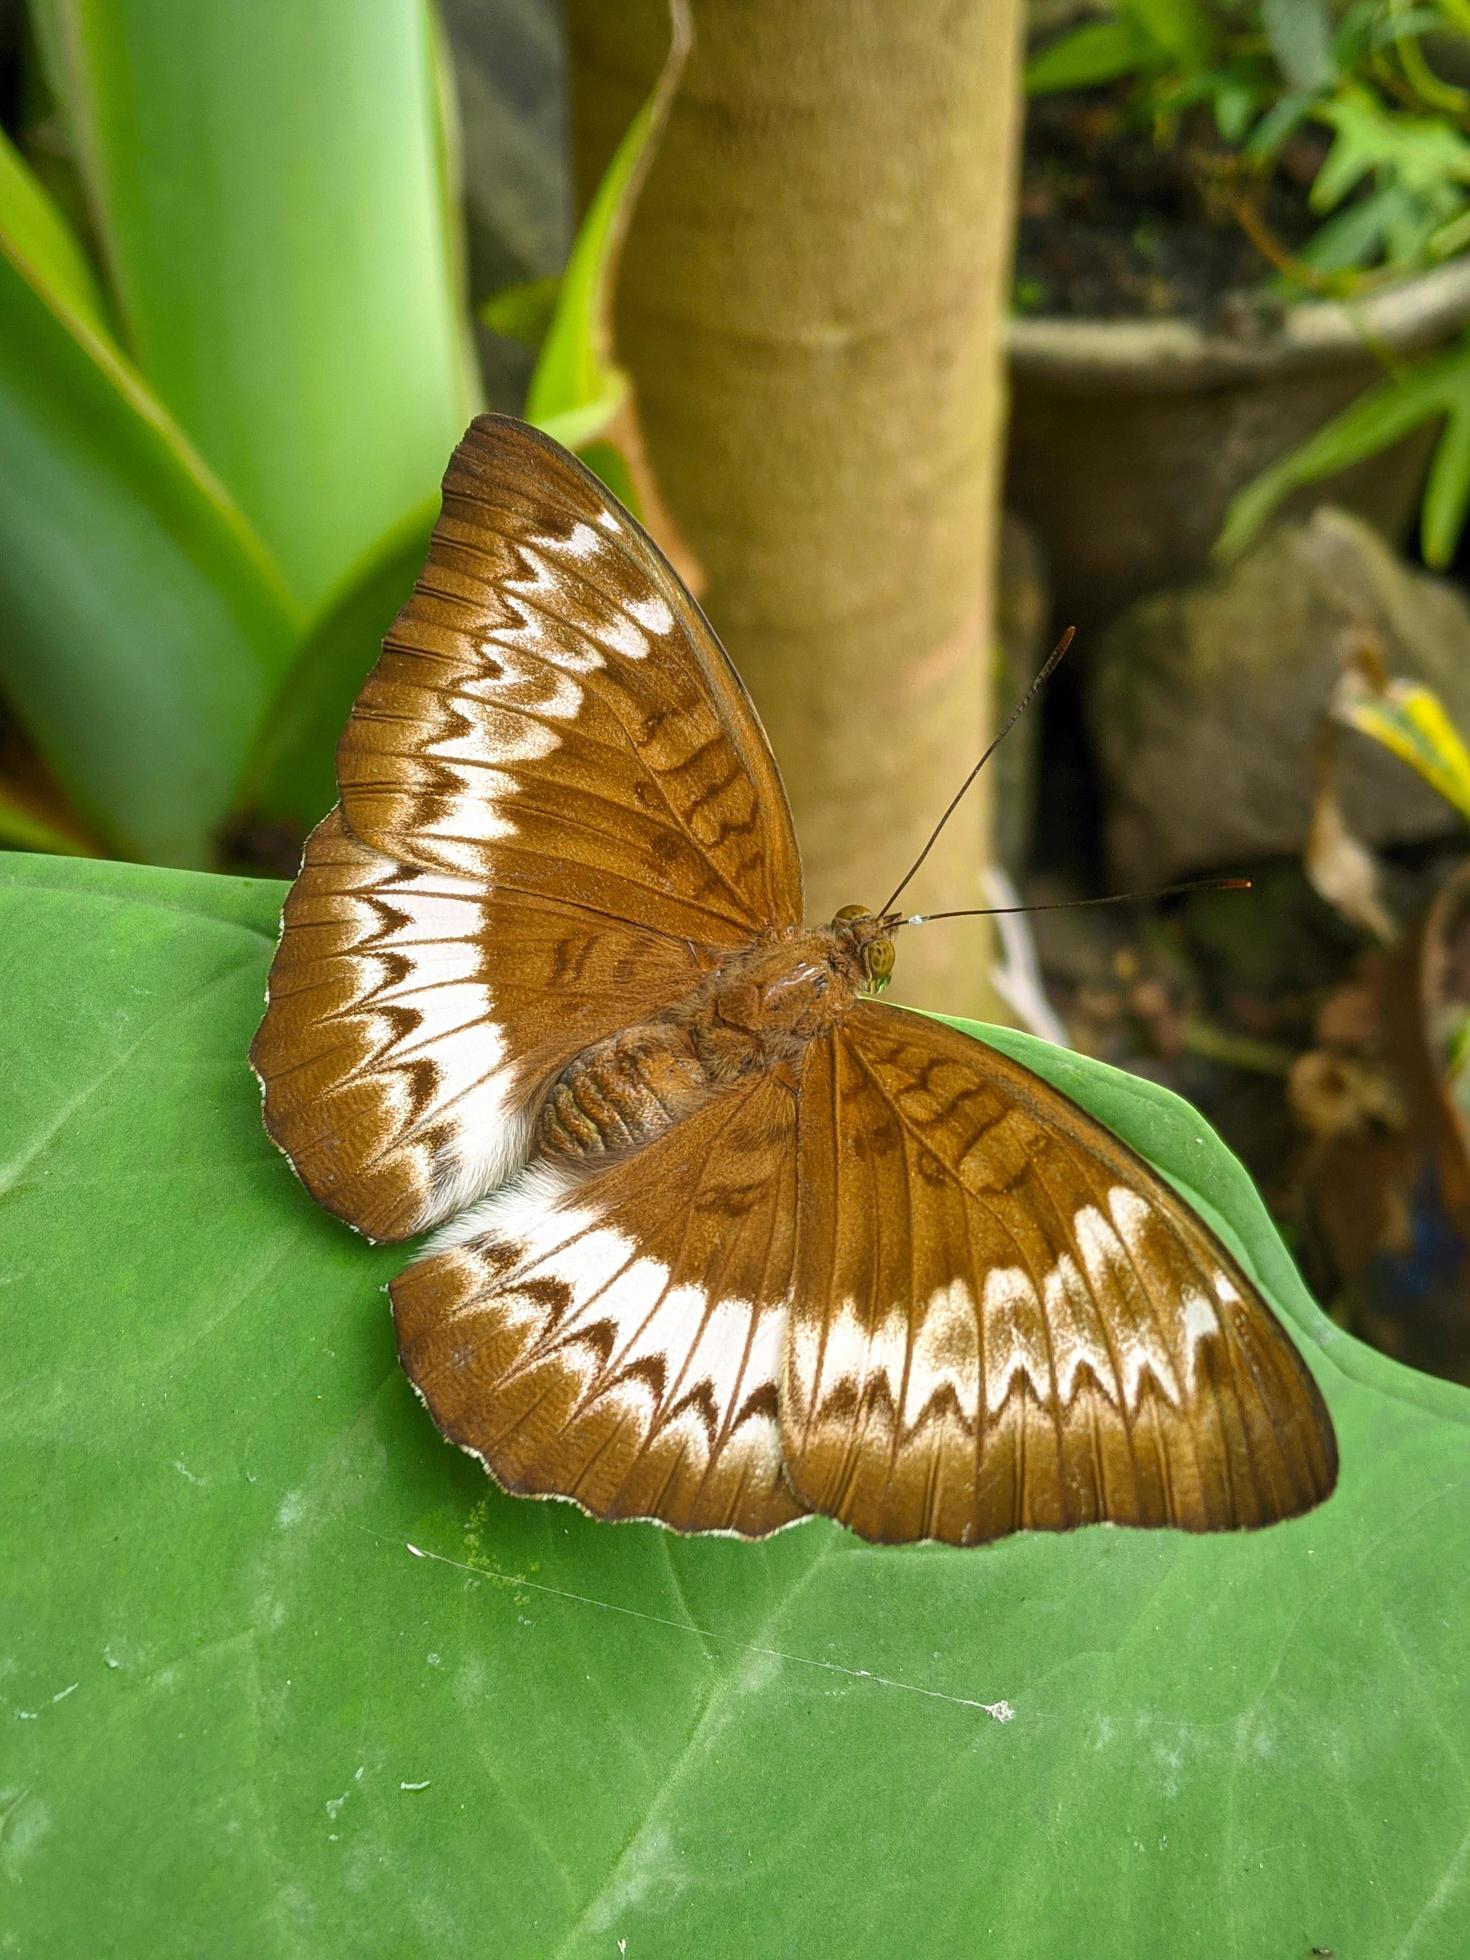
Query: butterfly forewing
x,y
558,808
1003,1319
551,712
619,1341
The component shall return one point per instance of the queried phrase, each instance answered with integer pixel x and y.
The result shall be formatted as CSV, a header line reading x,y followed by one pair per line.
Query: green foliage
x,y
1436,390
1394,184
578,388
144,623
226,409
285,1674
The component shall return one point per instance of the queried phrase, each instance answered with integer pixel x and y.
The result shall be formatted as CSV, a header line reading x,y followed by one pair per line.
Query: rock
x,y
1204,702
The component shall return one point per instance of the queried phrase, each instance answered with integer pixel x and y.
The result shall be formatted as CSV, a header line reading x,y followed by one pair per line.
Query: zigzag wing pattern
x,y
558,809
552,712
415,1017
1003,1319
618,1341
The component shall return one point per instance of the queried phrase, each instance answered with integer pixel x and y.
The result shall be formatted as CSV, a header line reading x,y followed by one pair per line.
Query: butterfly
x,y
720,1238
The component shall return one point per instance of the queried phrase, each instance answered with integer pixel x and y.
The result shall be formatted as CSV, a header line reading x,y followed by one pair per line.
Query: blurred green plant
x,y
227,394
1437,389
1391,185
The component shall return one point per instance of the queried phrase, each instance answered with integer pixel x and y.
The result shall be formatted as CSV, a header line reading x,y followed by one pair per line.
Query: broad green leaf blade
x,y
142,624
268,184
1182,28
288,1676
291,775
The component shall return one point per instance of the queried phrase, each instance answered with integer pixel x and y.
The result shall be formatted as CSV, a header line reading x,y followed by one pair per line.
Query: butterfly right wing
x,y
1003,1319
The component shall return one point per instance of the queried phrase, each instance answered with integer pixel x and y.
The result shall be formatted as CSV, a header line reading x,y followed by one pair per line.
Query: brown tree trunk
x,y
810,305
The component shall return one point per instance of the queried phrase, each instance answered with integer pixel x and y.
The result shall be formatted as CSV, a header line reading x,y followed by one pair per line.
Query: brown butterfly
x,y
724,1240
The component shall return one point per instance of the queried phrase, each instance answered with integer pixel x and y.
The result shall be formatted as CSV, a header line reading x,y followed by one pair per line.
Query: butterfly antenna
x,y
1066,904
1052,660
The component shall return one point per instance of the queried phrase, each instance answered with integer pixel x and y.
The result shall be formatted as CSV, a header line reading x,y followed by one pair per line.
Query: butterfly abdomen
x,y
621,1093
761,1008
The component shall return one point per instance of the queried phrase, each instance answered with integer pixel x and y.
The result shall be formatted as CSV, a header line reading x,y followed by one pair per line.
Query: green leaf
x,y
24,828
1383,415
1300,33
268,184
1235,110
142,623
291,775
243,1717
1357,236
37,234
1272,131
577,387
1424,154
1447,491
1101,51
1180,27
1409,720
523,312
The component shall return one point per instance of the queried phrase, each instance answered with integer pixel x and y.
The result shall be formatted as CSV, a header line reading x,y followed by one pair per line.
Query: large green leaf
x,y
285,1675
268,187
142,623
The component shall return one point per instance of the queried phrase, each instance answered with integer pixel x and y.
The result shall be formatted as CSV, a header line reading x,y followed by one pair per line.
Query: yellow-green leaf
x,y
1410,720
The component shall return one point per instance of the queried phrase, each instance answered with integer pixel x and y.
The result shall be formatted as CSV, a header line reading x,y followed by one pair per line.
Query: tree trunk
x,y
810,305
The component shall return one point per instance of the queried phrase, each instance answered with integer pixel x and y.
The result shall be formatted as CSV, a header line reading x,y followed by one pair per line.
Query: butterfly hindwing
x,y
619,1340
415,1015
1003,1319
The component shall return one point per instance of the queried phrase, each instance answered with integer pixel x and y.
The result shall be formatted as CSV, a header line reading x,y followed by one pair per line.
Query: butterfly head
x,y
872,941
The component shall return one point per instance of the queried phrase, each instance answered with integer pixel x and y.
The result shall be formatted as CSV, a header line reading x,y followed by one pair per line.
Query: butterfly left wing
x,y
617,1340
414,1017
1003,1319
558,809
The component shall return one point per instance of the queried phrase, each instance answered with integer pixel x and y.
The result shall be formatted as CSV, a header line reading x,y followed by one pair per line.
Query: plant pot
x,y
1129,438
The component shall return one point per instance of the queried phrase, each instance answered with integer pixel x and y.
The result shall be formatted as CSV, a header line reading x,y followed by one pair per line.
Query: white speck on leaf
x,y
291,1510
415,1786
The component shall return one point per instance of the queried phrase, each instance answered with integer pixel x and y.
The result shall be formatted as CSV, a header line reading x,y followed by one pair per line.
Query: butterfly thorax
x,y
755,1014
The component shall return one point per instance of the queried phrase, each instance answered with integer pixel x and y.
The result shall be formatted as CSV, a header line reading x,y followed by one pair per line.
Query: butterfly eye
x,y
880,964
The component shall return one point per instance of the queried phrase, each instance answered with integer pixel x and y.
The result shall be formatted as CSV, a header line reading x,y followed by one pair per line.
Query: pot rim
x,y
1164,356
